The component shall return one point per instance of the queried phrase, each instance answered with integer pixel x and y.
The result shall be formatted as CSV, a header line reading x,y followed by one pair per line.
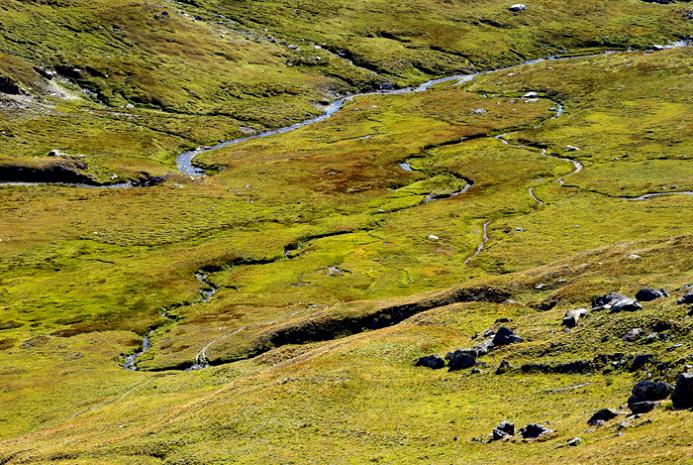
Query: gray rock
x,y
431,361
633,334
625,305
607,300
574,442
682,397
534,431
517,7
479,111
483,348
505,336
571,317
602,416
647,294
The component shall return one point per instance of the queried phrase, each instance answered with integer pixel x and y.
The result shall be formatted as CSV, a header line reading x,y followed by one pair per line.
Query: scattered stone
x,y
534,431
625,305
517,7
642,407
633,334
571,317
602,416
686,299
483,348
634,257
547,304
430,361
334,271
646,394
476,371
503,320
652,337
461,359
640,361
503,367
572,148
503,430
674,347
682,397
8,86
647,294
606,301
505,336
531,95
433,237
479,111
574,442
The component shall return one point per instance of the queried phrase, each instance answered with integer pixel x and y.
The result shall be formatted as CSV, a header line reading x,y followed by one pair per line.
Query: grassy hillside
x,y
307,272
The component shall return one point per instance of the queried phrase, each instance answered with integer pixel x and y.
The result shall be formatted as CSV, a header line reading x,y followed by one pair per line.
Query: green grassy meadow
x,y
310,270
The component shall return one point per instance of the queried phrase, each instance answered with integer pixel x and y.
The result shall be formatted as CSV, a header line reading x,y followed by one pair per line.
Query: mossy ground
x,y
322,223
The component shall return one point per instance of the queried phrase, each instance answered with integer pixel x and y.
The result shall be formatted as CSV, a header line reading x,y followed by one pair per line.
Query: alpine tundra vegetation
x,y
346,232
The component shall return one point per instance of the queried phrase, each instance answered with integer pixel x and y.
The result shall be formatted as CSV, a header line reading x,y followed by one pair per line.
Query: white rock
x,y
433,237
517,7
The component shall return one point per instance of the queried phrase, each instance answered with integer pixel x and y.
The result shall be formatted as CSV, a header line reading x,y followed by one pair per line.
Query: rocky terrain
x,y
346,232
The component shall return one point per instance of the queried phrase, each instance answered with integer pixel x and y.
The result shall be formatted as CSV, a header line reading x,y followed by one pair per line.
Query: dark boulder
x,y
430,361
461,359
8,86
646,394
503,430
601,416
505,336
647,294
682,397
547,304
503,367
652,390
687,298
642,407
534,431
640,361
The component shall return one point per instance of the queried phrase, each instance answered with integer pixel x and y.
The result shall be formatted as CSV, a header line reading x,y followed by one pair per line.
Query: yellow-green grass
x,y
85,273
